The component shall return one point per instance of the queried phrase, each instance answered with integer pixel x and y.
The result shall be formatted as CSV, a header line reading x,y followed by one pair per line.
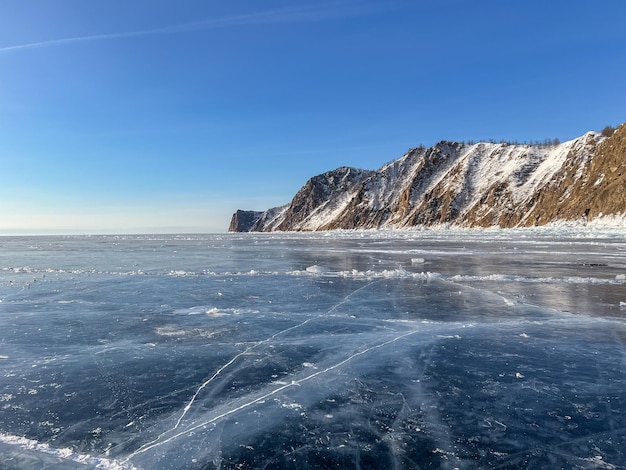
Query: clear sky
x,y
127,116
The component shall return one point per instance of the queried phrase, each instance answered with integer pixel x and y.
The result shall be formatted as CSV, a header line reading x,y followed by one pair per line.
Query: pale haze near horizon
x,y
150,116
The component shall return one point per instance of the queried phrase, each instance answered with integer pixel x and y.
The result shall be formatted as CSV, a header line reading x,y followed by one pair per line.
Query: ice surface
x,y
495,349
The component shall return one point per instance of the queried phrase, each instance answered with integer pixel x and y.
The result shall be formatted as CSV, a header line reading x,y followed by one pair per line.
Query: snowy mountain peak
x,y
455,184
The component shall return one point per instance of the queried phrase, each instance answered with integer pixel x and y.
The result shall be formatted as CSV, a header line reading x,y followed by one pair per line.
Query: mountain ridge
x,y
482,184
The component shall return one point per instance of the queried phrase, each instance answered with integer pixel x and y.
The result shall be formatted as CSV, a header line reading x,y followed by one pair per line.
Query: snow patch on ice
x,y
169,331
315,269
542,280
367,274
64,453
291,406
389,274
214,311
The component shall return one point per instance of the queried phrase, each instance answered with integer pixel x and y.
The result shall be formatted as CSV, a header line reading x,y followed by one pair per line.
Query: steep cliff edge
x,y
602,188
317,204
477,185
242,221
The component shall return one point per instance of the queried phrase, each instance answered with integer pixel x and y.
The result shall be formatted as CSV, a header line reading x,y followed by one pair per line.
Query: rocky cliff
x,y
467,185
242,221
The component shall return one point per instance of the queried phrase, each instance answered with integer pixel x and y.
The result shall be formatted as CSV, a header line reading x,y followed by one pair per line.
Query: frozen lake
x,y
372,350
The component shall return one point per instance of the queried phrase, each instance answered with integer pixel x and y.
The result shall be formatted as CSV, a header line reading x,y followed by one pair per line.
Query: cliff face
x,y
323,198
602,188
479,185
242,221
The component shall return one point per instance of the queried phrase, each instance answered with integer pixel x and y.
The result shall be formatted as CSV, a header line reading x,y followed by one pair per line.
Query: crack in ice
x,y
294,383
250,348
237,356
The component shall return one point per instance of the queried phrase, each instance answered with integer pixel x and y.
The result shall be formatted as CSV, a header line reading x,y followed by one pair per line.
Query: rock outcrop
x,y
242,221
323,198
466,185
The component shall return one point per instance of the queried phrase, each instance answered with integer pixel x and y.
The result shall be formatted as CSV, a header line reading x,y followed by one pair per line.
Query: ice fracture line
x,y
250,348
13,294
243,353
347,297
294,383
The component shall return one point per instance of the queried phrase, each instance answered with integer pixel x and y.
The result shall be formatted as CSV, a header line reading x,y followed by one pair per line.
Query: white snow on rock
x,y
448,185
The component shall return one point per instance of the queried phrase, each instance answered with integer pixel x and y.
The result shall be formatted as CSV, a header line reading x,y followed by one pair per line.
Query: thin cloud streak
x,y
317,12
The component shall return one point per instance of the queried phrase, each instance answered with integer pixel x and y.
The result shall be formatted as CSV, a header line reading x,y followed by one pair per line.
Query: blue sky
x,y
131,116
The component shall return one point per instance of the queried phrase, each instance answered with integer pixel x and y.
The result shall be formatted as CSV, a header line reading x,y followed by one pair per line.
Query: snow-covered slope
x,y
320,201
484,184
